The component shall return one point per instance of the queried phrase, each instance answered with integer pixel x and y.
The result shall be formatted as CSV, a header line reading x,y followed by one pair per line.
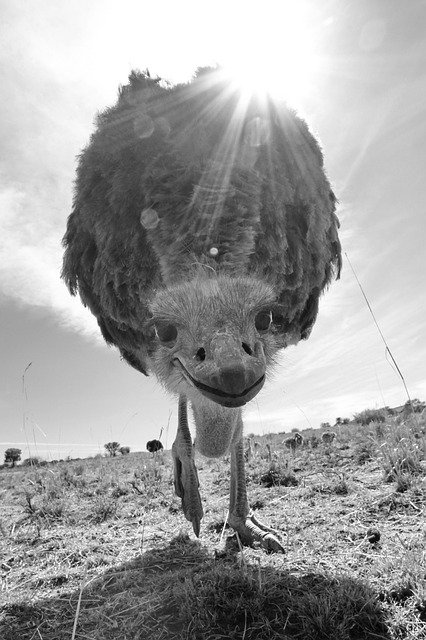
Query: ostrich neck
x,y
216,427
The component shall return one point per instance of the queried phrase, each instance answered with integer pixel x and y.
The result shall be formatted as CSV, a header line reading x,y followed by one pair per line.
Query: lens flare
x,y
273,51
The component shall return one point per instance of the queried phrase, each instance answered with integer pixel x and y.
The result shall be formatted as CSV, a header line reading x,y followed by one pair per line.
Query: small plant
x,y
147,482
340,487
401,454
365,451
380,430
29,506
67,478
104,507
79,469
396,463
278,475
40,505
119,490
404,482
51,509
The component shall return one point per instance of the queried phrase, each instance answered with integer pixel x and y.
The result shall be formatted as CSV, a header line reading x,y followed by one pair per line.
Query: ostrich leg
x,y
185,474
241,519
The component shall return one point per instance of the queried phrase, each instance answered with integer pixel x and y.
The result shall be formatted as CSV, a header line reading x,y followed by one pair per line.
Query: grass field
x,y
99,548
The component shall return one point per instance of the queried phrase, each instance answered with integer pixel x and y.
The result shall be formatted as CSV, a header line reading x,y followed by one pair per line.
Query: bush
x,y
365,451
415,406
103,508
370,415
12,455
276,475
112,448
124,451
30,462
401,453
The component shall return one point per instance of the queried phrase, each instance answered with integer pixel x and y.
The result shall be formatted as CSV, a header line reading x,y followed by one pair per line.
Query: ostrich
x,y
298,438
202,234
290,443
153,446
328,436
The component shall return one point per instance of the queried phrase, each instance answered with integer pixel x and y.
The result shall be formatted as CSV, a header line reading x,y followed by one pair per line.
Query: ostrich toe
x,y
252,530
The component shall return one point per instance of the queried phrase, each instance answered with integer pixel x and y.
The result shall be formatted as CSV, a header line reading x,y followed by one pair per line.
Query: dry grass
x,y
99,548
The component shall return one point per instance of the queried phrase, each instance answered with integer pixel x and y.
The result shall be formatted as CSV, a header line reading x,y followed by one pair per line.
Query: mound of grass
x,y
278,475
179,592
401,453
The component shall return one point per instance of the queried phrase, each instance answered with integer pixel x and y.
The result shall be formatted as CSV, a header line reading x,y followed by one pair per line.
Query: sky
x,y
355,70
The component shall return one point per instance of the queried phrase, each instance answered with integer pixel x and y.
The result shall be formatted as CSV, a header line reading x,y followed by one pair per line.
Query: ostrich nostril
x,y
201,354
247,348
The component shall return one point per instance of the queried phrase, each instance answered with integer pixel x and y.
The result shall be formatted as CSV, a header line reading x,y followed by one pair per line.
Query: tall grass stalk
x,y
387,350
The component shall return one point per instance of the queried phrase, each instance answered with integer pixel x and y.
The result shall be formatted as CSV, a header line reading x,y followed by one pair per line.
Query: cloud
x,y
30,261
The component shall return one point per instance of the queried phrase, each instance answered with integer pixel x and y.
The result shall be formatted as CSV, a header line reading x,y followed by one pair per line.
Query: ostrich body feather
x,y
193,181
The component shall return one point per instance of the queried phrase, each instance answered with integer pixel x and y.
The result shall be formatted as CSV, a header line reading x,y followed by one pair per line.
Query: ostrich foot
x,y
186,487
252,530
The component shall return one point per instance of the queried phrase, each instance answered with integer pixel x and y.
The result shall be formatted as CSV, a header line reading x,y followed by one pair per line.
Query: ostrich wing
x,y
108,258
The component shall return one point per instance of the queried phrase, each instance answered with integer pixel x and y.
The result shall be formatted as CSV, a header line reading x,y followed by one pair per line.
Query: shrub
x,y
30,462
12,455
124,451
119,490
365,451
112,448
79,469
278,474
370,415
415,406
401,453
51,509
380,430
103,508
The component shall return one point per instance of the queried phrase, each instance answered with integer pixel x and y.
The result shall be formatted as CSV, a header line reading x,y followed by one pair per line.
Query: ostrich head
x,y
213,338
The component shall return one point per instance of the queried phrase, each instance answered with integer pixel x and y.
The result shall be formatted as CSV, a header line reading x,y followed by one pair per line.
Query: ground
x,y
99,548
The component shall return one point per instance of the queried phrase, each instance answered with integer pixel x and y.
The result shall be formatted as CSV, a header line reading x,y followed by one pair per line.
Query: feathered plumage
x,y
203,231
200,169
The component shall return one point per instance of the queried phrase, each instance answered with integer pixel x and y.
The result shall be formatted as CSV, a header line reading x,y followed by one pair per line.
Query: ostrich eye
x,y
263,320
166,332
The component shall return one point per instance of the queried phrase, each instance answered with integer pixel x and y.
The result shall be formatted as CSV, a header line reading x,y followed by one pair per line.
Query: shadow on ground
x,y
180,591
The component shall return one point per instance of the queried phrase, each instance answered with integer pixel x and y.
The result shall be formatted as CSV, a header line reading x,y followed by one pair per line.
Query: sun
x,y
272,50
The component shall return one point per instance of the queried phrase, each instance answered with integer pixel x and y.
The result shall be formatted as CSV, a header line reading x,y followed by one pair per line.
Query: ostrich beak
x,y
232,372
